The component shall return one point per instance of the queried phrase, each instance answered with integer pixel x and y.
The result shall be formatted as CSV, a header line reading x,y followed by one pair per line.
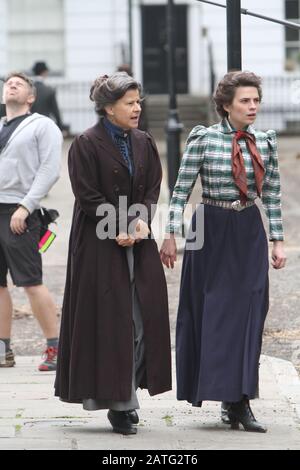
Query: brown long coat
x,y
96,341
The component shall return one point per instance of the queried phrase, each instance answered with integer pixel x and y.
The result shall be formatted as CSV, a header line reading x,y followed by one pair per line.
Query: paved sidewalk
x,y
32,418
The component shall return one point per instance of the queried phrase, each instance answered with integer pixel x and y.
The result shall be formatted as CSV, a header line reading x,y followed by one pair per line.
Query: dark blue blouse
x,y
122,139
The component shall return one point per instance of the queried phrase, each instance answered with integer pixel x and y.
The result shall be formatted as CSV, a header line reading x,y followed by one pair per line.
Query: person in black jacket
x,y
45,102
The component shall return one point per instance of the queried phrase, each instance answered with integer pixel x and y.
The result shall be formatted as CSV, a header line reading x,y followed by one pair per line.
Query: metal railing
x,y
280,109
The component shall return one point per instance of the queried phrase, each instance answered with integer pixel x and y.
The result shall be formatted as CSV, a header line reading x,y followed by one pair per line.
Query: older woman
x,y
224,285
115,332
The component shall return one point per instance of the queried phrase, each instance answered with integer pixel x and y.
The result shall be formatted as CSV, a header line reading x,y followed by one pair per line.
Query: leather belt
x,y
235,205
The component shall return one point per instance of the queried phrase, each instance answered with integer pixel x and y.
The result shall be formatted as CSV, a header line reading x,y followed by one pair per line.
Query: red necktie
x,y
238,166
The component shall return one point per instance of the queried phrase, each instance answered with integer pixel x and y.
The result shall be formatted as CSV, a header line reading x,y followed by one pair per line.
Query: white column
x,y
137,51
94,34
3,37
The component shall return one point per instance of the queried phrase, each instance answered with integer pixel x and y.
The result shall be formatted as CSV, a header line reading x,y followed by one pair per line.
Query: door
x,y
154,28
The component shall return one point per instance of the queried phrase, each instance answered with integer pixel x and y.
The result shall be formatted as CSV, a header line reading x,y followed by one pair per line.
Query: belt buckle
x,y
236,205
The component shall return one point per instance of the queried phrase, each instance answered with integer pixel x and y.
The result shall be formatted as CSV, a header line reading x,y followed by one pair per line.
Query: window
x,y
292,36
36,33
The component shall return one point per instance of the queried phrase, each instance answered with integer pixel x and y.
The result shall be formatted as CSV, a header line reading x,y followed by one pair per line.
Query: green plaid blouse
x,y
208,154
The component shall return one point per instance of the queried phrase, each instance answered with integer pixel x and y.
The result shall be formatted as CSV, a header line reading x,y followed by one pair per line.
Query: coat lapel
x,y
137,144
100,133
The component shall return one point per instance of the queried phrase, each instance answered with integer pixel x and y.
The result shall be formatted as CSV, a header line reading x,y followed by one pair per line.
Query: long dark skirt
x,y
222,309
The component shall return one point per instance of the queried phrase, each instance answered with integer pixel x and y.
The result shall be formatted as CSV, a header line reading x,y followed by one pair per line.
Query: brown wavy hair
x,y
226,88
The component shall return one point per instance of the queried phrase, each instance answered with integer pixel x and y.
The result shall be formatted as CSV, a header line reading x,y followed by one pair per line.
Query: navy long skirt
x,y
224,300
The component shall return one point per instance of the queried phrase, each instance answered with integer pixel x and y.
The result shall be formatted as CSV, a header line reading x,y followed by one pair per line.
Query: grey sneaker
x,y
9,360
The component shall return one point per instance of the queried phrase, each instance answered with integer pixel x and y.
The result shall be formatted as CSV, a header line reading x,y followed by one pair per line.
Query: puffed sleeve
x,y
191,163
271,192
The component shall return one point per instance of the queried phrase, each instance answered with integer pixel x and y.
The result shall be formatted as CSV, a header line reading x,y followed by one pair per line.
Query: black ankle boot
x,y
241,412
134,417
224,412
121,422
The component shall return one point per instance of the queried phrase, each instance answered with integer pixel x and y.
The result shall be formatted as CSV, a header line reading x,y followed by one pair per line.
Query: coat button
x,y
141,187
117,189
116,171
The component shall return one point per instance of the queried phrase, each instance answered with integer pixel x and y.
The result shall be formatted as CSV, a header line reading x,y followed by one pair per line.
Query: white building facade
x,y
83,39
